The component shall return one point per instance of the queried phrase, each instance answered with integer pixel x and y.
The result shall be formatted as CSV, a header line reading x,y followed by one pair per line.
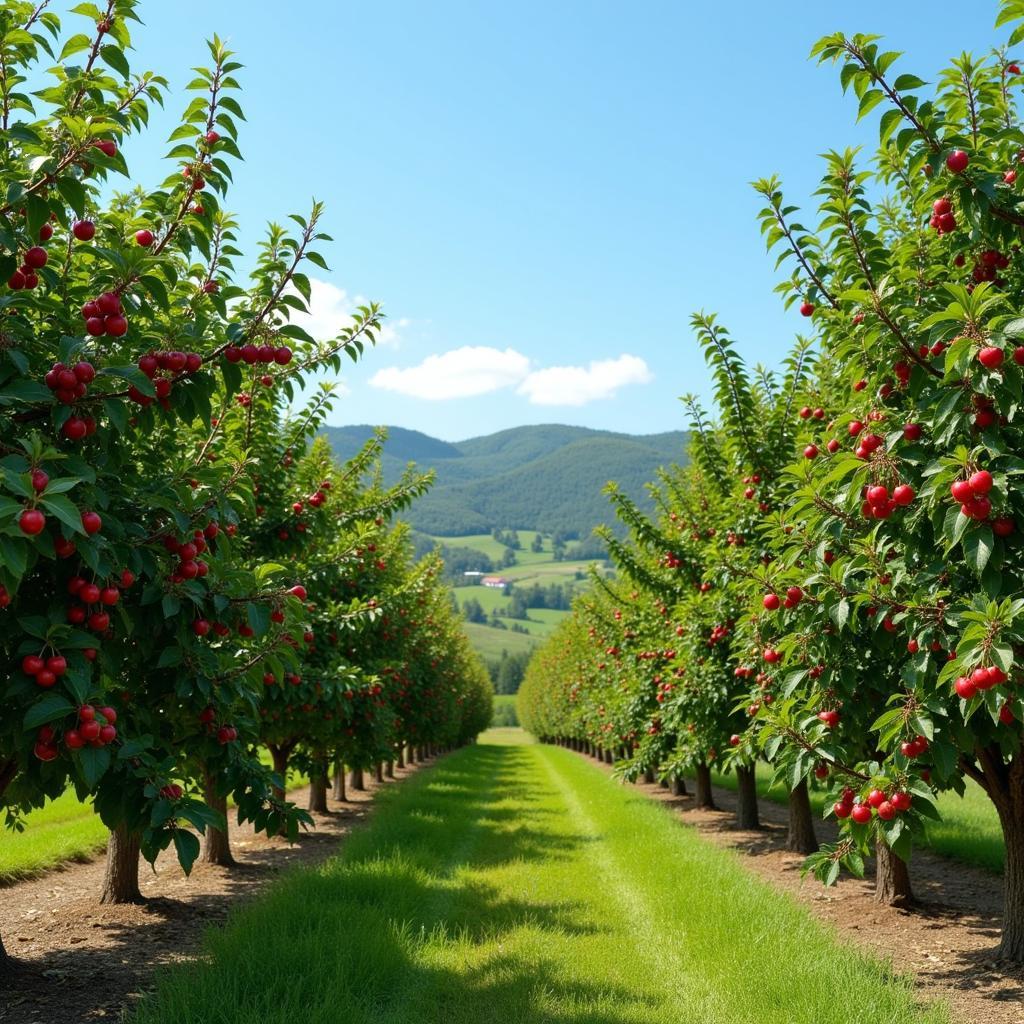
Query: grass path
x,y
515,883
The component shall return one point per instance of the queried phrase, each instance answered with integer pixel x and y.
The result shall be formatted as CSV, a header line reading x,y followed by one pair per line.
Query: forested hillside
x,y
546,477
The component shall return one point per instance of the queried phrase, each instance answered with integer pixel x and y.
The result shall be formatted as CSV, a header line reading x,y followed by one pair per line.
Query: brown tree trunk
x,y
216,841
280,756
801,837
355,780
704,797
411,758
389,770
678,785
649,776
318,787
378,772
746,803
1012,945
339,781
400,757
121,878
892,878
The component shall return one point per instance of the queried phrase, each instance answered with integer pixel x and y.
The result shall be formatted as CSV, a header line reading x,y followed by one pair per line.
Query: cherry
x,y
75,428
57,664
1003,526
212,137
116,326
981,482
830,718
841,810
771,601
283,355
39,480
110,595
903,494
16,281
1006,715
73,739
298,591
269,679
957,161
144,238
45,751
912,431
806,308
990,357
31,522
91,522
86,713
794,595
861,814
83,230
89,593
32,664
35,258
99,622
90,730
965,689
46,678
127,578
886,811
811,451
201,627
107,147
961,490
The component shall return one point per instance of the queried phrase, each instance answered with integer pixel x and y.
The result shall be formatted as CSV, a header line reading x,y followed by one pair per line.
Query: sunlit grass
x,y
514,884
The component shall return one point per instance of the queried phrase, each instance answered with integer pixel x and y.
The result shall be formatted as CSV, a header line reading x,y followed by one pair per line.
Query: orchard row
x,y
833,582
186,575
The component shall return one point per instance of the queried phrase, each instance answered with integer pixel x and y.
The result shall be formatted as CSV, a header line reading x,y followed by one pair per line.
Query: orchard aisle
x,y
512,882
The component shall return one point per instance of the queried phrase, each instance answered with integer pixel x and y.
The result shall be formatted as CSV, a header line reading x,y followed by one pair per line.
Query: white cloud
x,y
578,385
458,373
330,312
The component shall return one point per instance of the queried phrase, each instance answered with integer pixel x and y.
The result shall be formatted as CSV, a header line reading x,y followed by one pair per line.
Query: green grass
x,y
486,544
516,883
969,830
63,831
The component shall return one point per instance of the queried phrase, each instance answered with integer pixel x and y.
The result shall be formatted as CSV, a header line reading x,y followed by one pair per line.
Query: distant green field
x,y
505,714
489,642
492,549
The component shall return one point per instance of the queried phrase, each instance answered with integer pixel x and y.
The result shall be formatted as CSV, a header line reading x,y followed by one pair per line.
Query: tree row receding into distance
x,y
834,584
186,575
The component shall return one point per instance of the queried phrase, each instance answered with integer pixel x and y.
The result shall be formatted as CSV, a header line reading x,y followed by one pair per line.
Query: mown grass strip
x,y
516,883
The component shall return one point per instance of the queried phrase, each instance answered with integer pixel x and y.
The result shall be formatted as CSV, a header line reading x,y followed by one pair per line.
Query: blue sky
x,y
539,194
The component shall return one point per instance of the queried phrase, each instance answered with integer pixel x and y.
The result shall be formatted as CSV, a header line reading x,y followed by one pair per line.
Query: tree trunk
x,y
355,780
389,770
280,757
704,797
801,837
649,776
378,772
664,783
892,878
121,879
216,841
318,787
411,758
746,804
339,781
400,757
678,785
1012,945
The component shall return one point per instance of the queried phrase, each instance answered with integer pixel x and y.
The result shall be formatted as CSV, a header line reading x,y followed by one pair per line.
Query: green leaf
x,y
186,844
978,545
94,761
49,708
64,509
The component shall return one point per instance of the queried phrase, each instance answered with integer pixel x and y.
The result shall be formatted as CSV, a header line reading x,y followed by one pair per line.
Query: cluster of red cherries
x,y
190,566
772,602
877,802
94,728
25,277
972,494
104,315
224,734
93,600
162,368
982,678
70,383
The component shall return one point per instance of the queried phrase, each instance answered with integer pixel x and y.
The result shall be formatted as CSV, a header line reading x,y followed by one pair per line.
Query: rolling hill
x,y
547,477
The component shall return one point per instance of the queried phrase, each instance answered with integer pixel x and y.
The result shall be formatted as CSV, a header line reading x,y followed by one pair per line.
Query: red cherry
x,y
73,739
886,811
144,237
57,664
981,482
965,689
861,814
91,522
903,494
99,622
811,451
89,593
957,161
90,730
45,751
770,601
75,428
31,522
107,734
901,801
116,326
107,147
991,357
200,627
298,591
32,664
841,810
35,258
1003,526
961,491
110,595
83,230
806,308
